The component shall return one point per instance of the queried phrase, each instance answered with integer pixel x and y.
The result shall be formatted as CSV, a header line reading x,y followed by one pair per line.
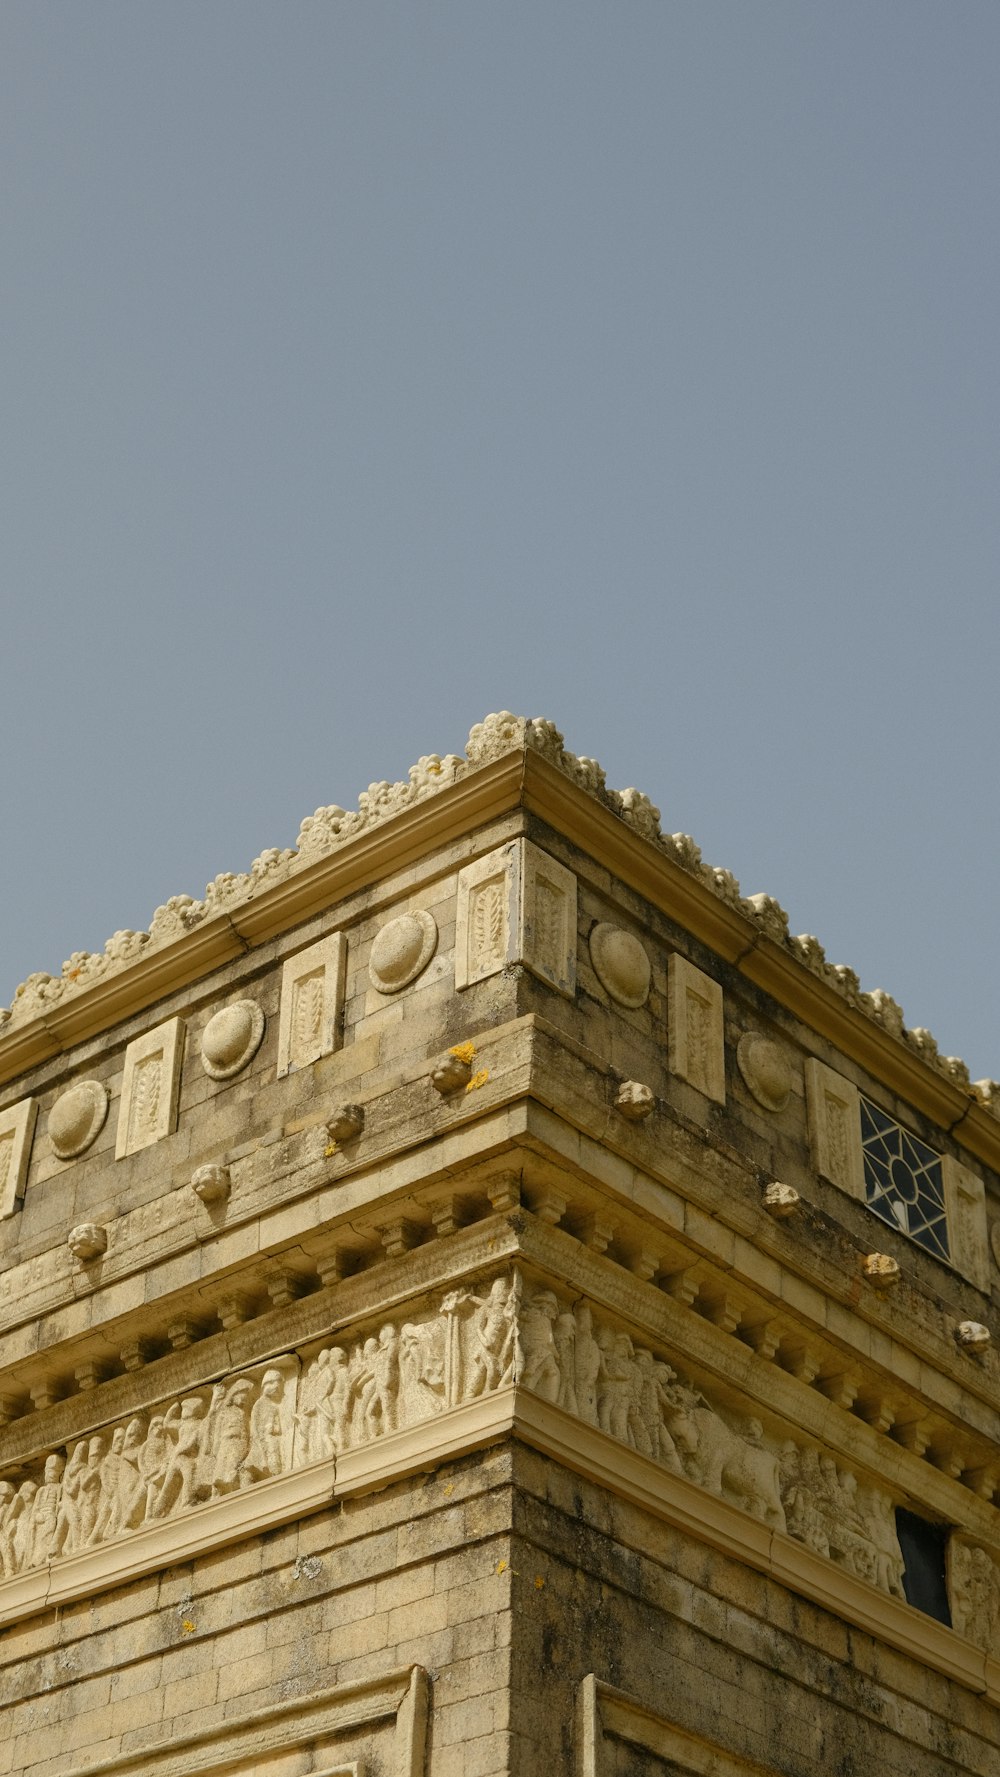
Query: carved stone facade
x,y
452,1321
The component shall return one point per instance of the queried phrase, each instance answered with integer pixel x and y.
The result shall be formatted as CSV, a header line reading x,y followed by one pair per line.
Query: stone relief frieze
x,y
974,1593
150,1467
465,1343
329,828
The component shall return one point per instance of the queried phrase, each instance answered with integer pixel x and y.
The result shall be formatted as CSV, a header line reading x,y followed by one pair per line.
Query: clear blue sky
x,y
367,367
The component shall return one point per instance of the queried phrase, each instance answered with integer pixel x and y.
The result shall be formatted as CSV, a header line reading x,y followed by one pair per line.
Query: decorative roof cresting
x,y
330,828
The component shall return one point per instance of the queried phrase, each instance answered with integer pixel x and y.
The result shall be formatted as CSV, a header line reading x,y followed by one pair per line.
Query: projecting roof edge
x,y
441,796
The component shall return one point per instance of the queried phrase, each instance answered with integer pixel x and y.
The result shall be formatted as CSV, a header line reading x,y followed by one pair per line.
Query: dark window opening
x,y
923,1549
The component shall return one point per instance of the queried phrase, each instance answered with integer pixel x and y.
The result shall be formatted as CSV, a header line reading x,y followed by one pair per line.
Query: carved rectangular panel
x,y
486,916
516,905
352,1730
148,1108
17,1126
312,999
968,1234
695,1040
548,919
835,1128
612,1728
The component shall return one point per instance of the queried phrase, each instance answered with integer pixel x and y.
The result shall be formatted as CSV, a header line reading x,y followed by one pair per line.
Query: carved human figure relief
x,y
835,1128
974,1592
490,1362
312,999
17,1126
516,905
695,1039
150,1087
265,1452
539,1311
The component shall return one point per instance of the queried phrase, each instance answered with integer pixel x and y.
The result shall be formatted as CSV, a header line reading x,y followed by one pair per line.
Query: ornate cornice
x,y
510,761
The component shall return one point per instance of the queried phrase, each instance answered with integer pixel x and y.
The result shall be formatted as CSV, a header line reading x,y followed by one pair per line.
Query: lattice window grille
x,y
903,1180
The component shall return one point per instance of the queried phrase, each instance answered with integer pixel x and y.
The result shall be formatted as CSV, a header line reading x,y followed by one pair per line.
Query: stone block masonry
x,y
455,1318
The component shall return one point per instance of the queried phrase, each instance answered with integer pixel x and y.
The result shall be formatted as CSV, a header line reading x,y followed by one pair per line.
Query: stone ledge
x,y
400,1699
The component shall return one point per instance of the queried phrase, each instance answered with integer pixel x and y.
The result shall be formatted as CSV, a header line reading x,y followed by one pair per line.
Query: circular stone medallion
x,y
401,950
231,1039
77,1118
620,964
765,1069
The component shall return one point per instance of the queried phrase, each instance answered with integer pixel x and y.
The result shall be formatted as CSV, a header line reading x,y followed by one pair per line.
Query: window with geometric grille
x,y
903,1180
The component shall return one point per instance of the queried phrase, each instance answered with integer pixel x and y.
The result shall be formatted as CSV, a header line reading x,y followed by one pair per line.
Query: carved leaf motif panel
x,y
837,1138
145,1101
548,901
488,926
695,1036
307,1016
697,1040
312,1001
150,1088
516,905
835,1128
486,915
17,1127
965,1204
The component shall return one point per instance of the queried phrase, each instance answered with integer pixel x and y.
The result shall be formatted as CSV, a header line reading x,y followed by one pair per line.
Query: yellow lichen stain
x,y
539,1582
187,1626
501,1567
330,1149
449,1489
465,1052
479,1078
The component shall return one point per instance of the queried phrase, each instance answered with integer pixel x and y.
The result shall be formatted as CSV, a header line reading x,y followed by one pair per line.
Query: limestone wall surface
x,y
449,1322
